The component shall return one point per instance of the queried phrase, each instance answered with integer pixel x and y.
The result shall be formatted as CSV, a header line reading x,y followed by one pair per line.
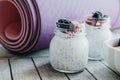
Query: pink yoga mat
x,y
28,25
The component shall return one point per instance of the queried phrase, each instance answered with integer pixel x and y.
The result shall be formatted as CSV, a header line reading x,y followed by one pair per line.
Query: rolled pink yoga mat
x,y
28,25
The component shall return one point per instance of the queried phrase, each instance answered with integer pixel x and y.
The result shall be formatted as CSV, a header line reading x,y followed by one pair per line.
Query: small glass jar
x,y
69,50
97,35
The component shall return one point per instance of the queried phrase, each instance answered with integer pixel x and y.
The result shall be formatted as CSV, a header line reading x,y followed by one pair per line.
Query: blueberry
x,y
61,20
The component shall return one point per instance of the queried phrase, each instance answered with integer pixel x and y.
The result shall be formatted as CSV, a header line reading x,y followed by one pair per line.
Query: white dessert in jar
x,y
69,49
98,30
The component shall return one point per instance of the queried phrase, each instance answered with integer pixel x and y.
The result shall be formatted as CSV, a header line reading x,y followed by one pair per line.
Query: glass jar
x,y
97,35
69,51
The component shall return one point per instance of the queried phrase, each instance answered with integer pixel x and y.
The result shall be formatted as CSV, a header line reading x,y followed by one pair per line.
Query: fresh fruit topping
x,y
97,19
77,26
64,21
70,26
97,15
90,22
65,24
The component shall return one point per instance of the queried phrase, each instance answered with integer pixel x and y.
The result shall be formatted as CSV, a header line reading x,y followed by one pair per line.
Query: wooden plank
x,y
45,70
4,70
101,72
23,69
112,68
81,76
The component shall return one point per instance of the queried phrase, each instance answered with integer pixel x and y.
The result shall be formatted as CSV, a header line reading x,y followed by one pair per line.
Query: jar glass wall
x,y
69,50
97,34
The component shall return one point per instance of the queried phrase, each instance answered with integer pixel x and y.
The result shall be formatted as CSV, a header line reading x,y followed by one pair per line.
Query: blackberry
x,y
60,21
97,15
64,21
65,24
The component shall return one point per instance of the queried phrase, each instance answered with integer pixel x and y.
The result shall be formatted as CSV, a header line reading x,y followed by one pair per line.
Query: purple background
x,y
52,10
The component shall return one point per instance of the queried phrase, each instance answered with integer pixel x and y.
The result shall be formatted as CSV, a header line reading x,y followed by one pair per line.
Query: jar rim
x,y
82,26
102,20
69,35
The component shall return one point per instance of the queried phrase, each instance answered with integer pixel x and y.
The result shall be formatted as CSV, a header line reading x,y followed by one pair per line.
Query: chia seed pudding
x,y
69,47
98,30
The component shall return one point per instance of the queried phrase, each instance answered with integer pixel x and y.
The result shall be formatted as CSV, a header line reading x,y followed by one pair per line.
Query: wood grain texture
x,y
81,76
4,70
40,69
101,72
23,69
46,71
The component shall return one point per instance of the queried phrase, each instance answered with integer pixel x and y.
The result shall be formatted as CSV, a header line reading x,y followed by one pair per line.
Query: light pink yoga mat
x,y
28,25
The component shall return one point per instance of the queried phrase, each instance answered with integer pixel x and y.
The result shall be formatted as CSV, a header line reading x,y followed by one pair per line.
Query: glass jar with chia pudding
x,y
98,30
69,47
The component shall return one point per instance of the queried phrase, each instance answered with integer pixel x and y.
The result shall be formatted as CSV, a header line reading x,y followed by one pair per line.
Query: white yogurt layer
x,y
97,37
69,54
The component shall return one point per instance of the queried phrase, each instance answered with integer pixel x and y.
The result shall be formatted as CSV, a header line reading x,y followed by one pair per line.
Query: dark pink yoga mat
x,y
28,25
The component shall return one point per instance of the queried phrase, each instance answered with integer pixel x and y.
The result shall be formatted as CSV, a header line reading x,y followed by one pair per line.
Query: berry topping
x,y
77,26
64,21
65,24
97,15
71,26
97,19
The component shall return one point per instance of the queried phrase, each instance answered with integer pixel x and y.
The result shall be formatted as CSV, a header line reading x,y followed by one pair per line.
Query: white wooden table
x,y
36,67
